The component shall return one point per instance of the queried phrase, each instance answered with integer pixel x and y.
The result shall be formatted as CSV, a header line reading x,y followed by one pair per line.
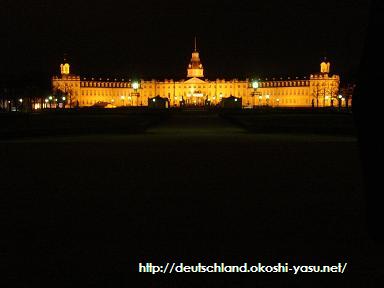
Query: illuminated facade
x,y
319,89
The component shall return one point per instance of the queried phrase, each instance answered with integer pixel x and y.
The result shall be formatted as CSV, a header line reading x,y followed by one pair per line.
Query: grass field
x,y
190,187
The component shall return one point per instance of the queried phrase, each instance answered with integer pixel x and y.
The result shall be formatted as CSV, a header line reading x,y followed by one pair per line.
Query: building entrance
x,y
195,99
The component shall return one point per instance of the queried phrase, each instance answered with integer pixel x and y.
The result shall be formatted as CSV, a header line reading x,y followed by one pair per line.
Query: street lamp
x,y
122,99
136,86
21,103
63,101
50,102
340,100
267,99
278,101
260,99
255,85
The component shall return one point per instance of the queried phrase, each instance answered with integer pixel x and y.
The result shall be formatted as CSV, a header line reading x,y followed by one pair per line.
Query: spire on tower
x,y
195,68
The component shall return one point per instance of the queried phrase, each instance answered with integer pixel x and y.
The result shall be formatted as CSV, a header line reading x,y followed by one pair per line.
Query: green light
x,y
135,85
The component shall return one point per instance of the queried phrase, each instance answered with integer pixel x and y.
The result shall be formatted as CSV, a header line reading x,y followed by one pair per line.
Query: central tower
x,y
195,68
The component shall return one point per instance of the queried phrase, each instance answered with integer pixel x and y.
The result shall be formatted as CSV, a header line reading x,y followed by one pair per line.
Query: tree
x,y
316,92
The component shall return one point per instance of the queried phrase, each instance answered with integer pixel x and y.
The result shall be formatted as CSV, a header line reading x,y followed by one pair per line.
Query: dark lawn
x,y
85,210
302,121
78,122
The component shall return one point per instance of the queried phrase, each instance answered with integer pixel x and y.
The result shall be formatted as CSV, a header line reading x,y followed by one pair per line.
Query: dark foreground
x,y
85,210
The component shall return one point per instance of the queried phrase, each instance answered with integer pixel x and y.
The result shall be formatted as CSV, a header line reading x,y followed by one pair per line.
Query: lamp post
x,y
63,101
277,101
267,99
21,104
260,99
135,86
123,99
340,98
255,85
50,102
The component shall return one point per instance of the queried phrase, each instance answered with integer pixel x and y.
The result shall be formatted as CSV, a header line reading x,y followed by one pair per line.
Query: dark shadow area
x,y
368,111
78,122
194,188
297,121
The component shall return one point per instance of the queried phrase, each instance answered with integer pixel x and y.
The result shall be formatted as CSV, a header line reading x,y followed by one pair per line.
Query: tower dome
x,y
65,67
325,66
195,68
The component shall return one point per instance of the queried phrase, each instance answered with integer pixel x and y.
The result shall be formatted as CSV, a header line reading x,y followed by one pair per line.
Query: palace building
x,y
319,89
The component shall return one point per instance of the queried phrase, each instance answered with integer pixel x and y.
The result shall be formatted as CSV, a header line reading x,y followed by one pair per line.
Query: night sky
x,y
154,39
